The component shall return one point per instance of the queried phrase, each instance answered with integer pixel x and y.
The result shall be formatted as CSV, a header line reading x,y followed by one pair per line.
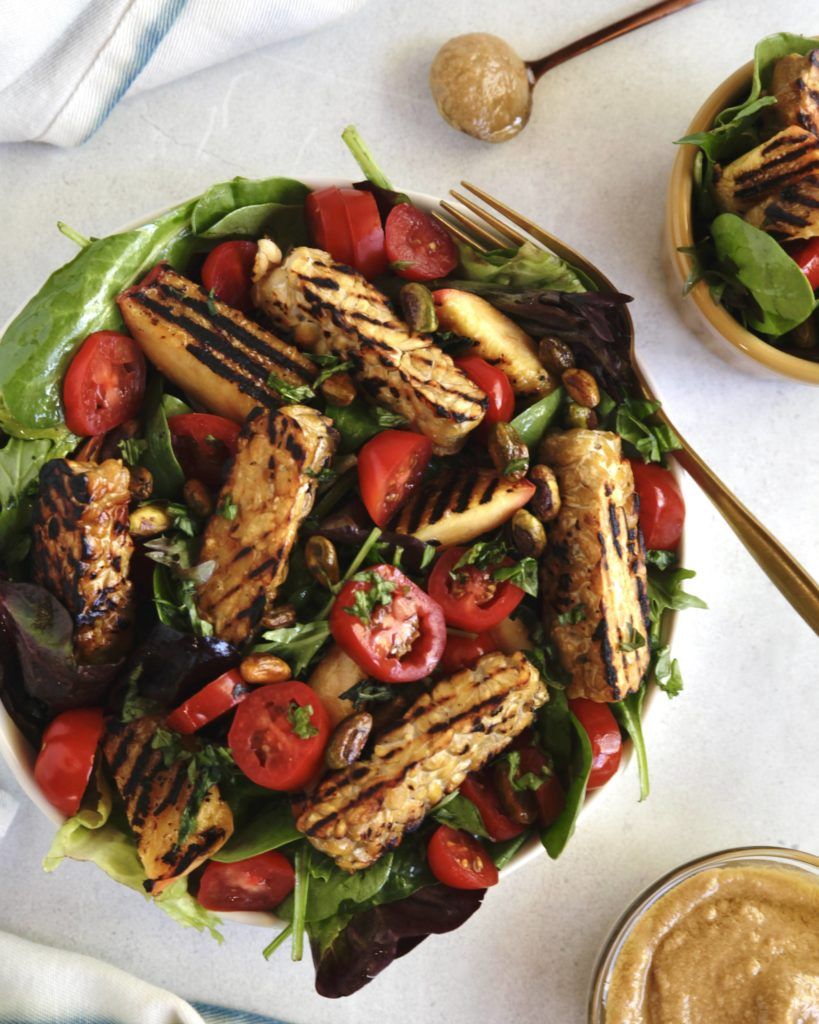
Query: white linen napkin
x,y
65,65
38,984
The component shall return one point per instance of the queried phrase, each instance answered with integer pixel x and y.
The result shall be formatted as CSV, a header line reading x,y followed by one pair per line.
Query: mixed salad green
x,y
356,923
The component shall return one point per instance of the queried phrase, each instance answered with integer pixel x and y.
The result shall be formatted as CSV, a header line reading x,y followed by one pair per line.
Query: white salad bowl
x,y
20,757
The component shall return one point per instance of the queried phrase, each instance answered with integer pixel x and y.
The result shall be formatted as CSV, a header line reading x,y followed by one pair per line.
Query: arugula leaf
x,y
298,644
20,465
629,714
780,289
651,440
665,591
666,671
290,392
557,835
457,811
300,719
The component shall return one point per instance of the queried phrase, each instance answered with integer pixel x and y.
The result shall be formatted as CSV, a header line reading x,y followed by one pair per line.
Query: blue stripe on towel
x,y
220,1015
152,36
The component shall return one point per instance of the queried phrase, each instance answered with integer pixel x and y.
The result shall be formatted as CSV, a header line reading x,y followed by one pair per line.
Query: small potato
x,y
264,668
335,674
148,521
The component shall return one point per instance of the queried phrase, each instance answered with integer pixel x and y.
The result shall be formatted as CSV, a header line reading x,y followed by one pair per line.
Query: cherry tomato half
x,y
66,757
390,466
662,509
806,254
482,794
457,859
203,443
105,383
276,743
418,248
463,651
366,232
495,385
400,641
257,883
228,273
327,223
469,597
549,795
212,701
604,734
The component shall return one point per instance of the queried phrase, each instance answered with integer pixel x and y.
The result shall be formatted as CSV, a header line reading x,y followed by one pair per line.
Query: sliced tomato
x,y
327,223
459,860
211,702
398,641
463,651
495,385
469,597
418,248
203,443
482,794
257,883
228,273
66,757
105,383
366,232
604,734
806,254
390,467
662,509
276,743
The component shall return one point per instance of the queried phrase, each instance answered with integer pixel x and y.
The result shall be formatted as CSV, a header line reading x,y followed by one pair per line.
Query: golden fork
x,y
791,579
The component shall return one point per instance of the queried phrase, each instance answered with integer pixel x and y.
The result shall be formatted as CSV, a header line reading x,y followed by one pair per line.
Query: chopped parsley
x,y
573,616
228,509
662,559
131,449
290,392
527,780
299,716
634,639
212,303
667,673
330,365
366,599
368,691
523,574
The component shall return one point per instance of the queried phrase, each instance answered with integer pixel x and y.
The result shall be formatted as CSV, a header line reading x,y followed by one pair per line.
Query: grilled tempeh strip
x,y
395,368
155,797
457,507
791,213
207,348
795,84
269,491
768,168
357,814
82,552
595,563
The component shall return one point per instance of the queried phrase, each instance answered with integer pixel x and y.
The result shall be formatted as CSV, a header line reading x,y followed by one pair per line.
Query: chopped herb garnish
x,y
131,449
573,616
368,691
227,509
662,559
378,592
523,574
299,716
528,780
634,639
490,554
667,673
651,440
290,392
330,365
210,439
212,303
516,466
401,264
323,476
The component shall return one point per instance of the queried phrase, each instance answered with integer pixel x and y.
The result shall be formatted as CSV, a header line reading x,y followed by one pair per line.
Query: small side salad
x,y
756,199
335,559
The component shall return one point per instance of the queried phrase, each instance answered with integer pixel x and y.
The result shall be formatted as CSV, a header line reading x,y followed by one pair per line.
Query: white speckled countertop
x,y
734,760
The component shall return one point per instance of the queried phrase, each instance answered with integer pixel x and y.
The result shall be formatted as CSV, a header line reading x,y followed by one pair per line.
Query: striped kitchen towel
x,y
65,64
39,984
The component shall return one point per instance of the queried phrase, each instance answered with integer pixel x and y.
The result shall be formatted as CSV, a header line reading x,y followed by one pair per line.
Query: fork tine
x,y
498,225
470,225
457,233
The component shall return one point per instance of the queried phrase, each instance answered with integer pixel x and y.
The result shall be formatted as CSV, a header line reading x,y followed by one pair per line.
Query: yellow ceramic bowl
x,y
711,320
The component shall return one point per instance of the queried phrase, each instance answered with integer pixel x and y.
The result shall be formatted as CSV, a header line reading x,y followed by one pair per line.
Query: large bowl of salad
x,y
742,223
339,562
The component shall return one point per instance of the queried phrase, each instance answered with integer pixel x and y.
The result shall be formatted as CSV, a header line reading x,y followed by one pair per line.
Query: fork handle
x,y
787,575
603,35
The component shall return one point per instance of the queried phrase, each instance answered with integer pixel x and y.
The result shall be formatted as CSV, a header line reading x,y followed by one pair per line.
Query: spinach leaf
x,y
77,299
332,890
554,726
159,455
358,422
502,853
633,424
298,644
534,421
249,207
555,837
629,714
782,292
665,591
300,896
272,828
20,465
526,267
459,812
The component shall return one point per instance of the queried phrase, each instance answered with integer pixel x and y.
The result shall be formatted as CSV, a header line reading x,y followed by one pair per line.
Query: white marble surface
x,y
734,759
